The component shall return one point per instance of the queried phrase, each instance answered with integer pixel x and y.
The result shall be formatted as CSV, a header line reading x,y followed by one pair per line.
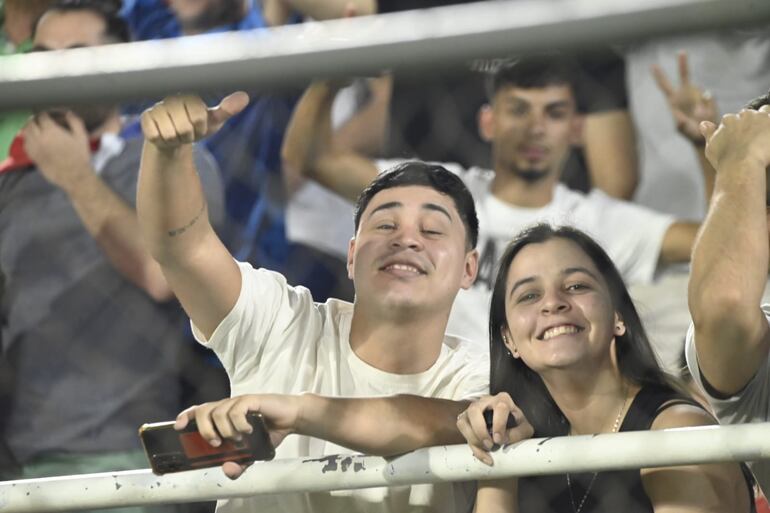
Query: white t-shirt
x,y
277,340
631,235
321,219
752,404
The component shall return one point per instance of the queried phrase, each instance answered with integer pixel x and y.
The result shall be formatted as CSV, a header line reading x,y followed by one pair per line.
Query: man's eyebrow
x,y
425,206
515,100
560,104
437,208
386,206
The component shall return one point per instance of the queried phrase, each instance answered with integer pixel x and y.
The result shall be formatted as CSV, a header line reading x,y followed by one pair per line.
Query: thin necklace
x,y
615,427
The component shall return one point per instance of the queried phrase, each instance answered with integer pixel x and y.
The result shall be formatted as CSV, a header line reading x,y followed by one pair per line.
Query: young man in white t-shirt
x,y
416,230
728,346
530,122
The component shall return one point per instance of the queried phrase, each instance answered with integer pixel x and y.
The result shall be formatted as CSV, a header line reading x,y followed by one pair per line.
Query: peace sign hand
x,y
689,104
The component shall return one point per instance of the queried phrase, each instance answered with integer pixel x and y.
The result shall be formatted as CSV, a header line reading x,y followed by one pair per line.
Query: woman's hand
x,y
483,438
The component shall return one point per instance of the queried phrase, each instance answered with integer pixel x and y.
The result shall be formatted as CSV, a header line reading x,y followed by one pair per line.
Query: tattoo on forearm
x,y
181,230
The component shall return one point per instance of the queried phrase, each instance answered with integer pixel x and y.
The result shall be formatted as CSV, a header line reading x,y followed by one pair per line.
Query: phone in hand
x,y
169,450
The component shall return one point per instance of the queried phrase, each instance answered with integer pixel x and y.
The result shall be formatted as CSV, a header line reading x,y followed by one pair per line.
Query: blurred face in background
x,y
531,129
61,30
198,16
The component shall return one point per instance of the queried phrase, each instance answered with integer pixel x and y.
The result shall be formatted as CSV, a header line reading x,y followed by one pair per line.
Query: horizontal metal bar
x,y
436,464
292,55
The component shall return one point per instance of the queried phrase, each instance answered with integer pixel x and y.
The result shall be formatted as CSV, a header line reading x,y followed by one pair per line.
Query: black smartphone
x,y
169,450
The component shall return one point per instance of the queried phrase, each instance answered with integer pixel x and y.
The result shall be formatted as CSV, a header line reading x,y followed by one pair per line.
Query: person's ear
x,y
486,120
620,326
509,343
351,256
471,269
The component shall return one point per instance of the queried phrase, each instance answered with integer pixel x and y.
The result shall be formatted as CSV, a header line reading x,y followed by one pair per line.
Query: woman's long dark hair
x,y
635,356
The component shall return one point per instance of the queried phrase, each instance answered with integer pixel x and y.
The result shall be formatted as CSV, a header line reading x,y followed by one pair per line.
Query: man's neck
x,y
518,192
408,345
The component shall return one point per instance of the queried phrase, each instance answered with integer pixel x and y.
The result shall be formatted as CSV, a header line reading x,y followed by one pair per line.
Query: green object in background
x,y
24,46
10,122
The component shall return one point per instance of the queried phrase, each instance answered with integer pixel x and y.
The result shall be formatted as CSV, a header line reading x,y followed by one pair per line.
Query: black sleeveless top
x,y
619,491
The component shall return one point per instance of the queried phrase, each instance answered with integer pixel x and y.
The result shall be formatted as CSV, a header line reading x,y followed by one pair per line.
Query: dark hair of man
x,y
635,357
759,102
535,72
216,14
434,176
116,29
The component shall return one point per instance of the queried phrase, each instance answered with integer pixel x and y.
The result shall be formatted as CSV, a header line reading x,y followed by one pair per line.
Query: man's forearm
x,y
708,172
731,253
308,133
365,133
170,202
309,150
610,148
114,226
381,426
728,276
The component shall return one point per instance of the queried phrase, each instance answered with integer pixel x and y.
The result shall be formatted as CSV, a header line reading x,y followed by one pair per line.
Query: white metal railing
x,y
292,55
435,464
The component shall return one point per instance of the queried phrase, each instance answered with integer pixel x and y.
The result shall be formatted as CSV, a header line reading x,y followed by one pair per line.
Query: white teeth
x,y
559,330
404,267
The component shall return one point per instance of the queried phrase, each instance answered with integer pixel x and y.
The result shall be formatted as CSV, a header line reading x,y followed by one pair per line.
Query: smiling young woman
x,y
570,356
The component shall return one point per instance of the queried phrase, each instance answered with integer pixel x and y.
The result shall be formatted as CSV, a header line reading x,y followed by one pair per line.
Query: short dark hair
x,y
436,177
116,29
536,71
636,359
759,101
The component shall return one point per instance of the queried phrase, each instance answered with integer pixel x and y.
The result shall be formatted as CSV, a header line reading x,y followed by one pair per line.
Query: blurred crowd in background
x,y
94,343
